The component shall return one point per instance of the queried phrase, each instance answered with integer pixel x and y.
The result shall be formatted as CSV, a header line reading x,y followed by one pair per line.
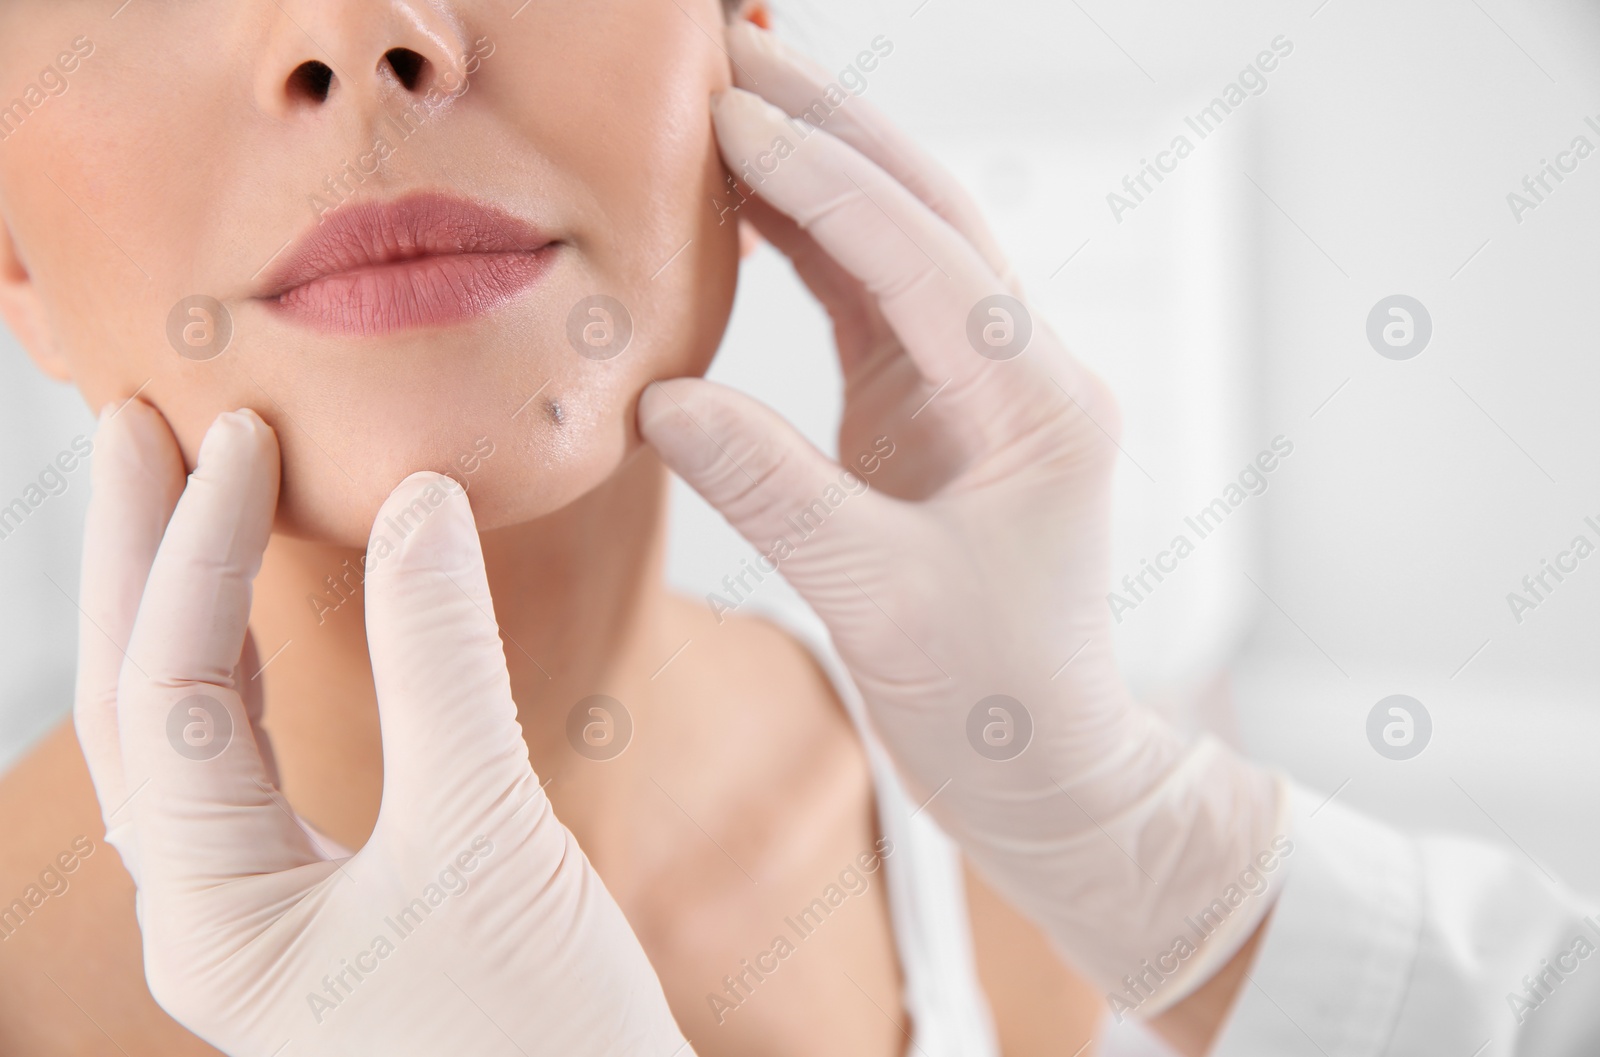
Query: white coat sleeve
x,y
1384,943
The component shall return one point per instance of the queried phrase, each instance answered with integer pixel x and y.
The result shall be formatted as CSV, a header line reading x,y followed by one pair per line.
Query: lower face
x,y
472,263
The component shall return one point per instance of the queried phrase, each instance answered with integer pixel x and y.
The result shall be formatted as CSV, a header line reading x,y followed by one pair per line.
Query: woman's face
x,y
404,209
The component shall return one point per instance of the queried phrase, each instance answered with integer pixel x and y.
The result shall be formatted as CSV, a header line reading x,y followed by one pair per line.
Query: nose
x,y
358,51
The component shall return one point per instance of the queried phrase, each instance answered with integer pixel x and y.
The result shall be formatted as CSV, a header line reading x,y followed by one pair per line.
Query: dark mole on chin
x,y
553,409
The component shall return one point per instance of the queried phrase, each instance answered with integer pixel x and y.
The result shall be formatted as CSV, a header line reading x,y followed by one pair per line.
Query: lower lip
x,y
435,291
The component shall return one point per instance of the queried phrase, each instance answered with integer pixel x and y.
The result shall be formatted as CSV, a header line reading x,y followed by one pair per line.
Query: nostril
x,y
407,65
311,81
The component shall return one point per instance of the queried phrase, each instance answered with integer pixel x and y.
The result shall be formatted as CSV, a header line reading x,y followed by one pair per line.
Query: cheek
x,y
629,117
631,125
103,188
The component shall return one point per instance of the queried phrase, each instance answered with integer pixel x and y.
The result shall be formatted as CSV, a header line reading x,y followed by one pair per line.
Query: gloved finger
x,y
252,694
453,754
767,480
136,478
876,372
210,812
852,308
929,281
766,65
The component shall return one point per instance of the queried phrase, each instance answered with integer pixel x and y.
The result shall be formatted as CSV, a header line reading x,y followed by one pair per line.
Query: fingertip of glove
x,y
661,407
235,435
745,37
426,522
733,107
768,53
132,436
674,417
692,423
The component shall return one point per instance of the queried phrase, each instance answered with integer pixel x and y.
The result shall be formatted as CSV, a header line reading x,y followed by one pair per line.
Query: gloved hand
x,y
470,922
966,590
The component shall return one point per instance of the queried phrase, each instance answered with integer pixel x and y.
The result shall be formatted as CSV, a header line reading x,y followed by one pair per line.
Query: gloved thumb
x,y
782,494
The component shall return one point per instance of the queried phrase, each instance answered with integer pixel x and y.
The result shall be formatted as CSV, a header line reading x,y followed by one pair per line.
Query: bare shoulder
x,y
756,646
71,980
803,744
771,697
784,914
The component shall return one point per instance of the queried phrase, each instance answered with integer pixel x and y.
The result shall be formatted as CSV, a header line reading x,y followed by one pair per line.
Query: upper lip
x,y
362,235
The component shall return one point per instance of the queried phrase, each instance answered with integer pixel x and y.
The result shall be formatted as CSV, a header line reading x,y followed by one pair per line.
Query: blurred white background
x,y
1228,308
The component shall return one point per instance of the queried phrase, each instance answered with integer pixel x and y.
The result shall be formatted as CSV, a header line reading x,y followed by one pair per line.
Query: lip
x,y
425,260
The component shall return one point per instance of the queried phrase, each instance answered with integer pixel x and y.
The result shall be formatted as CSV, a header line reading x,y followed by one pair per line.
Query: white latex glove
x,y
470,923
978,563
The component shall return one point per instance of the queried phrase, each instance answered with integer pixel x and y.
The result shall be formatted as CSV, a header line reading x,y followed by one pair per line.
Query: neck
x,y
581,605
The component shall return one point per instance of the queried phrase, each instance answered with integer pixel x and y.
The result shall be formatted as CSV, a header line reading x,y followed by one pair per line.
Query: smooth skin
x,y
744,791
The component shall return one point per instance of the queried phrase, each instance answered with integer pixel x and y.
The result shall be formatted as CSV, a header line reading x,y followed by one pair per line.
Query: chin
x,y
527,431
511,475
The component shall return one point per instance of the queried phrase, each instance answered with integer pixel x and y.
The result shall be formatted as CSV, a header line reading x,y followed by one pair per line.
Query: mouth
x,y
426,260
